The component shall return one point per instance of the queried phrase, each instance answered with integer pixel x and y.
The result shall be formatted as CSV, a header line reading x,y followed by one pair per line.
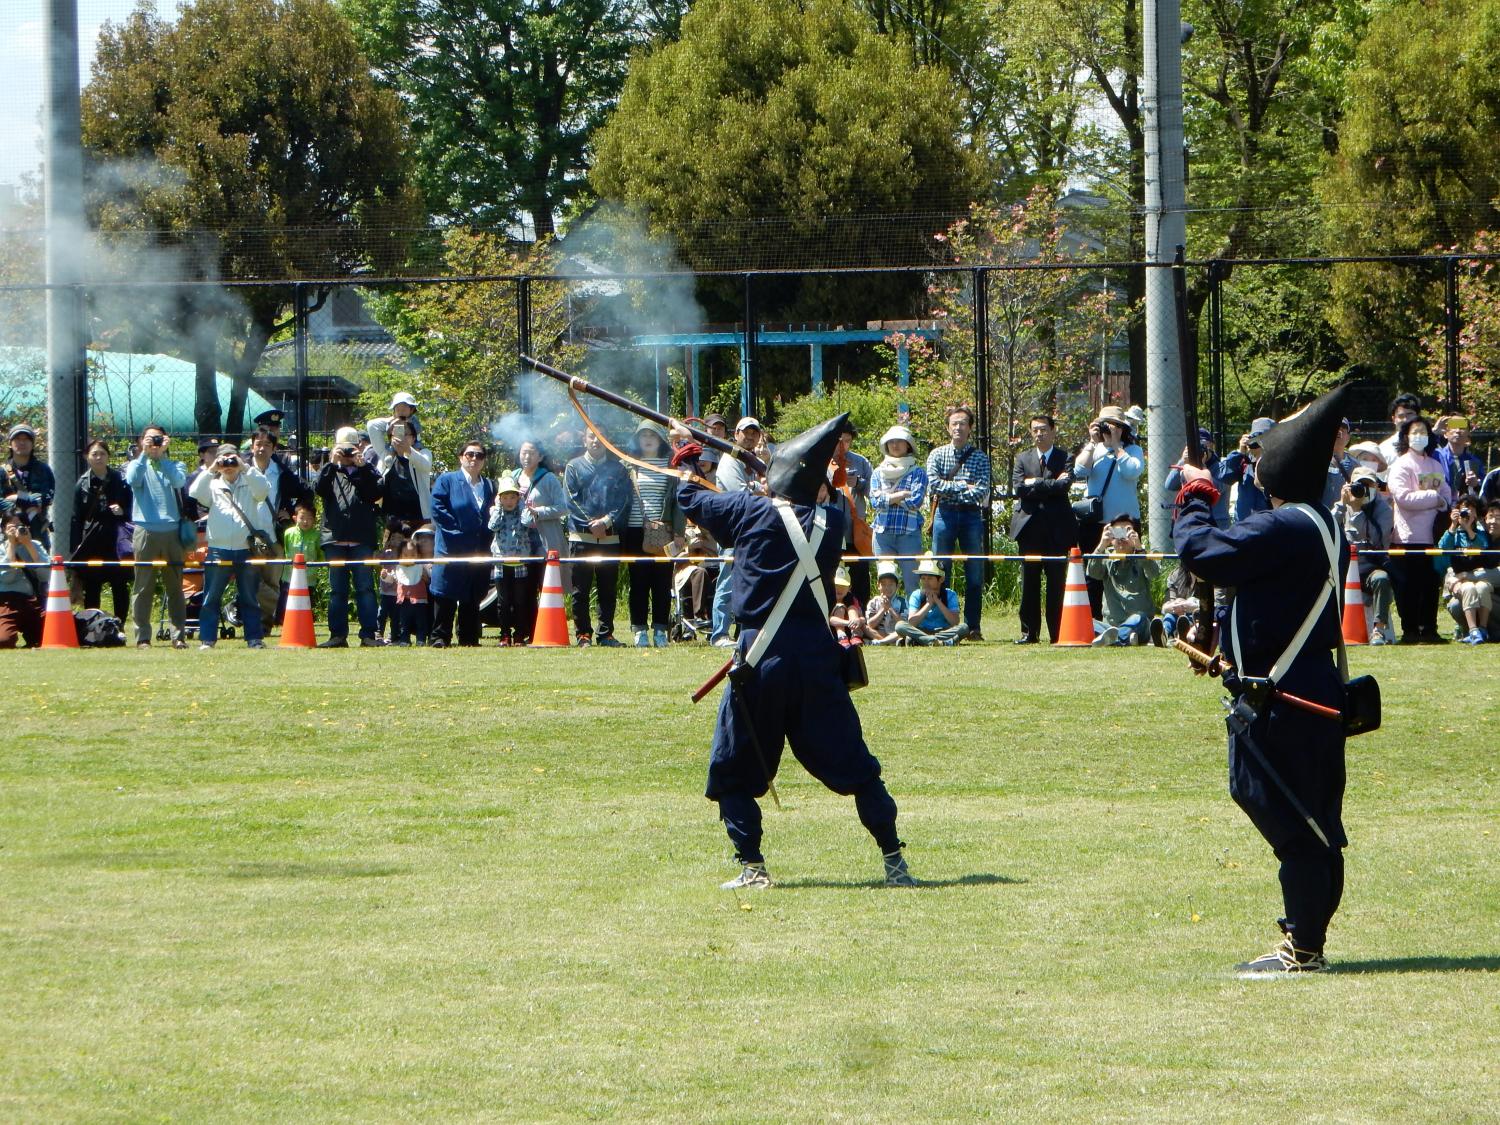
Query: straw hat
x,y
929,566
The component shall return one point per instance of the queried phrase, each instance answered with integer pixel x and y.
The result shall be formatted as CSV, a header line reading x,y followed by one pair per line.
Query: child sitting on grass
x,y
886,608
845,616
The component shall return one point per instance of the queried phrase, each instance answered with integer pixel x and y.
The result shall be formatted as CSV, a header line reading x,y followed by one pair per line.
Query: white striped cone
x,y
1077,628
551,621
297,624
58,628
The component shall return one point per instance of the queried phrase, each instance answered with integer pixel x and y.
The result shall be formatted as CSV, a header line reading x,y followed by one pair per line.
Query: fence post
x,y
1216,271
299,370
748,349
1452,323
982,389
524,380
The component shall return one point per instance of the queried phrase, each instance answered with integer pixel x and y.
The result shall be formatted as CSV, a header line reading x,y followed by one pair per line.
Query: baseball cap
x,y
401,398
21,428
712,419
746,422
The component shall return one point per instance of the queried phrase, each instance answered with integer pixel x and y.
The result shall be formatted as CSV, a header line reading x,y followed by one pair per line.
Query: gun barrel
x,y
706,439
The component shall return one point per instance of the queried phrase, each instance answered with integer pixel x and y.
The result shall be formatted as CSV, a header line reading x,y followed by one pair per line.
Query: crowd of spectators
x,y
377,495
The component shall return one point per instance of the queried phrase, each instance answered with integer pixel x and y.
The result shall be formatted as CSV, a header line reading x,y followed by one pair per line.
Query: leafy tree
x,y
1045,327
793,116
1478,340
505,95
1417,169
248,140
465,334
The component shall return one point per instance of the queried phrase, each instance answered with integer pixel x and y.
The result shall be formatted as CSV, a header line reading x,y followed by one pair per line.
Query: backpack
x,y
96,629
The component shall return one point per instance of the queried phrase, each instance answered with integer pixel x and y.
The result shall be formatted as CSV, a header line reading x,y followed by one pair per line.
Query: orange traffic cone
x,y
1077,626
297,625
58,628
551,622
1355,630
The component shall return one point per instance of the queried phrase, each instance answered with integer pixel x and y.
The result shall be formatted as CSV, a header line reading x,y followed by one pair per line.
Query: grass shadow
x,y
1420,965
980,880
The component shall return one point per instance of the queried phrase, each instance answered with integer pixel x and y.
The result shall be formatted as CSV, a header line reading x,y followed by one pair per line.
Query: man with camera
x,y
1238,468
232,494
28,483
403,465
351,492
1365,515
156,509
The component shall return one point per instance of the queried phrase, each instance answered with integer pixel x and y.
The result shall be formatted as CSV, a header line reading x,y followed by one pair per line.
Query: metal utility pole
x,y
63,198
1166,230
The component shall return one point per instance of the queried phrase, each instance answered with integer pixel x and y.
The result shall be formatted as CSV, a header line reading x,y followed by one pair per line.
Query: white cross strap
x,y
805,573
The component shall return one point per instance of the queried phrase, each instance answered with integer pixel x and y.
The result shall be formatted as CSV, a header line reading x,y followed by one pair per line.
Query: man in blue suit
x,y
461,503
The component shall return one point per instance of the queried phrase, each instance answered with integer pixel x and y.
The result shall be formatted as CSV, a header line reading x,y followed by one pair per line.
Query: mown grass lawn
x,y
483,885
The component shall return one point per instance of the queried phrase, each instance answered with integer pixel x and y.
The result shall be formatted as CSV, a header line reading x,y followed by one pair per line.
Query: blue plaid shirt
x,y
966,485
904,515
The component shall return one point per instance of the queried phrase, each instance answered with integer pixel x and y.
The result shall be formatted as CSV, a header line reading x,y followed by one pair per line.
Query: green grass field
x,y
307,886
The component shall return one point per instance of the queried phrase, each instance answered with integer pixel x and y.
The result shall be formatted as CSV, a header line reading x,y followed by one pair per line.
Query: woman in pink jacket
x,y
1420,494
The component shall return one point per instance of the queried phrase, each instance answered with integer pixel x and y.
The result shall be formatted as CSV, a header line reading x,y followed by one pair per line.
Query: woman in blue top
x,y
1110,463
897,494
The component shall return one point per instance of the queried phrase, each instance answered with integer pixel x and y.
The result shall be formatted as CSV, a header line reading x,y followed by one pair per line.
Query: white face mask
x,y
1417,441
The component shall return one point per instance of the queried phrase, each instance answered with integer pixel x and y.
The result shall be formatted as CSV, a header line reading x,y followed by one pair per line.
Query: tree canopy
x,y
1417,168
801,113
505,95
247,140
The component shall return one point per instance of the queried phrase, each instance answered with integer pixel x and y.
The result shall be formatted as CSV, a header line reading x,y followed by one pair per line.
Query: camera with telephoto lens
x,y
1360,490
229,461
1466,513
157,439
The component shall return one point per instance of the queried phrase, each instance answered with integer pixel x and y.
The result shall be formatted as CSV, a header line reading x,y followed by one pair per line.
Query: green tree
x,y
505,95
465,334
1417,169
794,116
247,140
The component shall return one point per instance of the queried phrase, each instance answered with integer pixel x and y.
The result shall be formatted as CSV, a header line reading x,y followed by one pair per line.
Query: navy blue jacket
x,y
1276,563
463,528
763,555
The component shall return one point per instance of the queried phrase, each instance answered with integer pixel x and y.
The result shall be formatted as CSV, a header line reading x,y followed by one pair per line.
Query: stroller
x,y
692,600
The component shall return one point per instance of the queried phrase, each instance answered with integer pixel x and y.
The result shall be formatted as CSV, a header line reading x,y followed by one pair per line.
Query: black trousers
x,y
1032,573
463,611
118,580
796,697
517,604
584,576
1312,886
650,584
1417,587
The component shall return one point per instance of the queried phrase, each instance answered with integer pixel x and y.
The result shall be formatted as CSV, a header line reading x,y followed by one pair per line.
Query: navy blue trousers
x,y
797,697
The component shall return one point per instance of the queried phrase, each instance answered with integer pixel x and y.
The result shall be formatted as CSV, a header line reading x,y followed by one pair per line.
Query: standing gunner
x,y
1283,624
788,681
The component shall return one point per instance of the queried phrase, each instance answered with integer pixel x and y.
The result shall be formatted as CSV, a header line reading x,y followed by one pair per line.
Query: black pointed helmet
x,y
1294,456
799,467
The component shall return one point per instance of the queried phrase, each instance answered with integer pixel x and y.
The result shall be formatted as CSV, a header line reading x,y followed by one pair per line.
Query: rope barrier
x,y
583,560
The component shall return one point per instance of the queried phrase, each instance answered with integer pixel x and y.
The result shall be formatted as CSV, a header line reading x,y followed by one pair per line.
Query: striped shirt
x,y
964,486
651,494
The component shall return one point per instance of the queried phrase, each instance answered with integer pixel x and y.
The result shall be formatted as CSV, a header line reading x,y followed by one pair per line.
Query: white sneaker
x,y
725,642
1108,637
753,877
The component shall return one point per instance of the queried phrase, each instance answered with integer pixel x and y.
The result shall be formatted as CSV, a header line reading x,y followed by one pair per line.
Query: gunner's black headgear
x,y
799,466
1294,456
